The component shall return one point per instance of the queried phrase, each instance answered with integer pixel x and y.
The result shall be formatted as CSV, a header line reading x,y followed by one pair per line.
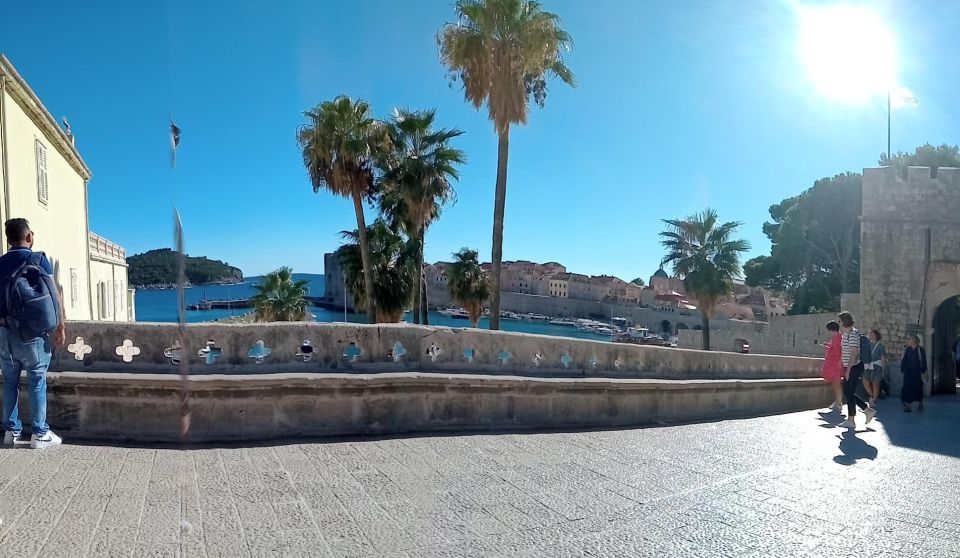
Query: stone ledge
x,y
559,356
145,407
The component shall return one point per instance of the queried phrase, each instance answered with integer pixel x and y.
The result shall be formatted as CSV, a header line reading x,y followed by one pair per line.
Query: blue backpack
x,y
32,305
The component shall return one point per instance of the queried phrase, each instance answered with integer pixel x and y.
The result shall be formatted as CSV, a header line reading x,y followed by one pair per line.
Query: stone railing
x,y
298,347
146,407
118,381
106,249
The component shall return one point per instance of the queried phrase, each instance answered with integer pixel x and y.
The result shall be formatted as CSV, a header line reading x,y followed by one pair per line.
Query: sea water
x,y
160,305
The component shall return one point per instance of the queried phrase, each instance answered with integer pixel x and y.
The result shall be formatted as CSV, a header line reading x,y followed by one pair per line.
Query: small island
x,y
157,269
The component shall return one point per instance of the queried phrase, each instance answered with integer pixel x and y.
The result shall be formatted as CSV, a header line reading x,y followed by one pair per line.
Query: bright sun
x,y
848,51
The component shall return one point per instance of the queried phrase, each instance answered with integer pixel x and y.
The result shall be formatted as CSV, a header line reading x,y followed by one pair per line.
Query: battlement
x,y
920,198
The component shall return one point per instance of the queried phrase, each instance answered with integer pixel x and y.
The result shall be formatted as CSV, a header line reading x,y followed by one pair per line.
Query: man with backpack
x,y
31,321
853,348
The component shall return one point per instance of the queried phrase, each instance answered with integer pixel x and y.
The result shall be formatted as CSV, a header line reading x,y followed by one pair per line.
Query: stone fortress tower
x,y
910,264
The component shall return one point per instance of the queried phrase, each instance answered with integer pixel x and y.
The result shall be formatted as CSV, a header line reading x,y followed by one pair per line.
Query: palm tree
x,y
417,173
340,143
392,263
279,298
468,283
706,257
503,51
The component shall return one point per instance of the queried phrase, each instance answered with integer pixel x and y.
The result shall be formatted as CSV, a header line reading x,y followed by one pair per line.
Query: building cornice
x,y
26,98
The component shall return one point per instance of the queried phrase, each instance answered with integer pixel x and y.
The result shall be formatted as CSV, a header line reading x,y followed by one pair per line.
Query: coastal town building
x,y
44,179
549,289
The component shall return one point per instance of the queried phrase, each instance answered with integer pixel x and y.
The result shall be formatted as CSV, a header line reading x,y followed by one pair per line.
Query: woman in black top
x,y
913,366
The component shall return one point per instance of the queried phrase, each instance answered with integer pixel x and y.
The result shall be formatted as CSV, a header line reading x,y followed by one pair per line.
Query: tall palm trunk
x,y
706,331
424,309
417,278
365,258
503,151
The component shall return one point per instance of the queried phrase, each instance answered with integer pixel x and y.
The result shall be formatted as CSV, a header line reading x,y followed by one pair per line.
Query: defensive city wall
x,y
267,381
909,276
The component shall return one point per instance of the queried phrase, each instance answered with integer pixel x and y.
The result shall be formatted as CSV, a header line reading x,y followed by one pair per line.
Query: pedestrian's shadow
x,y
831,418
853,449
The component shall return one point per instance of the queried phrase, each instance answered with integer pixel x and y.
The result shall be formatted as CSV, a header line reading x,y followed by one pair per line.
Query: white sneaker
x,y
10,438
48,440
836,406
870,413
848,424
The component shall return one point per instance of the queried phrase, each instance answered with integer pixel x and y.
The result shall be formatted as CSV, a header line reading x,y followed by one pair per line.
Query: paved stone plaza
x,y
789,485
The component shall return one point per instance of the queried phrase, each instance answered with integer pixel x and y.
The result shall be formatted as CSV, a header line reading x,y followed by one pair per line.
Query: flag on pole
x,y
174,142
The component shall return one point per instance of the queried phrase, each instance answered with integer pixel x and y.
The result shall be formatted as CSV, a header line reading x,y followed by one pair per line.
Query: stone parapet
x,y
146,407
301,347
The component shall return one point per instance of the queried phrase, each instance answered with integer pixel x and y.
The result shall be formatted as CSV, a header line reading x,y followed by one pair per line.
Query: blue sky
x,y
680,106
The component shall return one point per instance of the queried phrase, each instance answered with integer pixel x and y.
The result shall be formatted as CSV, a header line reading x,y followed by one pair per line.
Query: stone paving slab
x,y
787,485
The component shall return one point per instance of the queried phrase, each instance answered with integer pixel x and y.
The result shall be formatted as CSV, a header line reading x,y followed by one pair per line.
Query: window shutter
x,y
103,299
43,185
74,287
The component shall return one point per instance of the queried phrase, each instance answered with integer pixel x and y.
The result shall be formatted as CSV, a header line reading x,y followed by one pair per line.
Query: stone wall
x,y
782,335
908,230
577,308
324,347
264,381
146,408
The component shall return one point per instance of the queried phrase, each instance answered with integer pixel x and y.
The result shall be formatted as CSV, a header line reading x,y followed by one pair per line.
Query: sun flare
x,y
848,52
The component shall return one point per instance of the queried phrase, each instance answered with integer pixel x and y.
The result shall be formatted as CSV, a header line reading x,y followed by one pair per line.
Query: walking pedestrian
x,y
914,369
850,345
832,369
875,365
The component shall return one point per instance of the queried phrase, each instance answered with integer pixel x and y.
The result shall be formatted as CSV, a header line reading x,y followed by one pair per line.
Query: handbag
x,y
925,374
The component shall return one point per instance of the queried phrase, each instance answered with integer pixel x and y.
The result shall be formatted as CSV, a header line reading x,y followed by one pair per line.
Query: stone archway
x,y
682,325
944,337
943,326
666,326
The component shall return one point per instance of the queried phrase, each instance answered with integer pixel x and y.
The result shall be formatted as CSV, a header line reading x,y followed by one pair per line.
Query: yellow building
x,y
44,180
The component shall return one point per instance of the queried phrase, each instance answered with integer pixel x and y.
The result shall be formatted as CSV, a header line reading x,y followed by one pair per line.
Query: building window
x,y
43,186
74,287
105,299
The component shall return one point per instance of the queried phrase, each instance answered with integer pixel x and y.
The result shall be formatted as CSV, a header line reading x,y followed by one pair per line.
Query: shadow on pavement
x,y
852,449
934,430
831,419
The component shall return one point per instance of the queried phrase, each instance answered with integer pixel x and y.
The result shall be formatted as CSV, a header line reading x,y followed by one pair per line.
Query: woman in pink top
x,y
832,370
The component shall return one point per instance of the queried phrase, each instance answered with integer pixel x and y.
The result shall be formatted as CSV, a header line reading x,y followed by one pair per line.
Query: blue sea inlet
x,y
160,305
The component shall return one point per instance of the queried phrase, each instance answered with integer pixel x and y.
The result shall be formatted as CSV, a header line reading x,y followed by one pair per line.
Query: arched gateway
x,y
910,264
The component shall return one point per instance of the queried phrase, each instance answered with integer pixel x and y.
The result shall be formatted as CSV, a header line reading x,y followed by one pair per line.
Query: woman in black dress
x,y
913,366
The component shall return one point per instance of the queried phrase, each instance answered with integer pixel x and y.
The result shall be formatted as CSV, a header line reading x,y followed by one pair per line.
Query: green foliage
x,y
159,267
393,265
417,171
924,156
340,144
706,256
502,52
415,182
468,283
279,298
639,282
815,245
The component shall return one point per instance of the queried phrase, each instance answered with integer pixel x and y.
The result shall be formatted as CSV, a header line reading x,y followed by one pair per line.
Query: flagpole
x,y
185,527
181,295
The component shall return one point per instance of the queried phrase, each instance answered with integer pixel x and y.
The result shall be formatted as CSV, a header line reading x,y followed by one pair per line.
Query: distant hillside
x,y
158,268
